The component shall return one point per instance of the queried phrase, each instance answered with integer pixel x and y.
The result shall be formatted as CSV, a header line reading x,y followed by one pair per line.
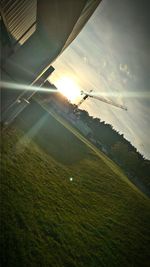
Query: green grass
x,y
98,219
57,118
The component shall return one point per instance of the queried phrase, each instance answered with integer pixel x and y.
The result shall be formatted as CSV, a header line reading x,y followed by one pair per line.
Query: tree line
x,y
120,150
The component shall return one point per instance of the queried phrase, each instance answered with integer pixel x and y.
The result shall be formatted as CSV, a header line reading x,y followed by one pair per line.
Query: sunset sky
x,y
111,56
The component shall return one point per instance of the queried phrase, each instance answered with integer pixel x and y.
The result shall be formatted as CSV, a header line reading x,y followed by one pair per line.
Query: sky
x,y
111,55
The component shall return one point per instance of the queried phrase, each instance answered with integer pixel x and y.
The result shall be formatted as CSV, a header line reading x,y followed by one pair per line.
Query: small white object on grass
x,y
71,179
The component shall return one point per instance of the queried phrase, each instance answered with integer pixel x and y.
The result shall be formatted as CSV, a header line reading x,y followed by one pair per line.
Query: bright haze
x,y
111,55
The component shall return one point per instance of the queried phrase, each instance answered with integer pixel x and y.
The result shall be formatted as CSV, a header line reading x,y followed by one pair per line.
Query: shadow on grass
x,y
50,135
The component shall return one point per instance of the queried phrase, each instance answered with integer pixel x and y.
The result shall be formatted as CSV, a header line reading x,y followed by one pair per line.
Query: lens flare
x,y
68,88
17,86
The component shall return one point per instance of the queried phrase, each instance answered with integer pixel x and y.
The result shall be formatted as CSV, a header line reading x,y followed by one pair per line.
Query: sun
x,y
68,87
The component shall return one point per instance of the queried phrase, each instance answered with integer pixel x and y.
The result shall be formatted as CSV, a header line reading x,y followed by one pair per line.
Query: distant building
x,y
82,127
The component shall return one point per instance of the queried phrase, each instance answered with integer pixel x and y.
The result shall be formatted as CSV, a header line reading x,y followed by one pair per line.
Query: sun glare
x,y
68,88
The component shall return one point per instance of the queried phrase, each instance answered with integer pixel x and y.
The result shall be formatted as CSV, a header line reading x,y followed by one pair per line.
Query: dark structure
x,y
34,34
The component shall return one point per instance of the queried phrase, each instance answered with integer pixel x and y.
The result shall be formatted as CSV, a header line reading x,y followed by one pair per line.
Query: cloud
x,y
109,56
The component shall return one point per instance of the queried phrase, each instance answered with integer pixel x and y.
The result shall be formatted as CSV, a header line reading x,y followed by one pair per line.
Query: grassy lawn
x,y
97,219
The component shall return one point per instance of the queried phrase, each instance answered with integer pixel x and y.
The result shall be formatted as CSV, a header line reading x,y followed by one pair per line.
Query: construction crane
x,y
89,94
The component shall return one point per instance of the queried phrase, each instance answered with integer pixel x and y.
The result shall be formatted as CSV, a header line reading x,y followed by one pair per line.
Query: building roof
x,y
43,30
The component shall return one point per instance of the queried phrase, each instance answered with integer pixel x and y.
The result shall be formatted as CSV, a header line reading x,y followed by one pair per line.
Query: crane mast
x,y
109,102
87,95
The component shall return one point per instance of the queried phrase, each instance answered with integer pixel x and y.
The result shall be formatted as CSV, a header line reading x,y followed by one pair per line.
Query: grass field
x,y
97,219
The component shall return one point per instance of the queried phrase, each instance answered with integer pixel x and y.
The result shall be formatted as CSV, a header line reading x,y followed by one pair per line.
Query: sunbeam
x,y
16,86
